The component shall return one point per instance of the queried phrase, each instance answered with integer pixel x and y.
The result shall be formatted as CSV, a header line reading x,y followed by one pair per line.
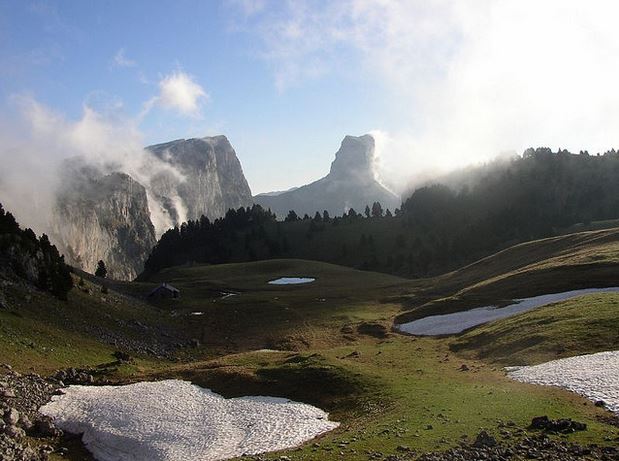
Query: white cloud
x,y
121,60
468,80
179,92
41,139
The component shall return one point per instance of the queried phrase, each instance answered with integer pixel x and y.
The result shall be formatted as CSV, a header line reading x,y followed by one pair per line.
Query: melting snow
x,y
291,280
457,322
176,420
595,376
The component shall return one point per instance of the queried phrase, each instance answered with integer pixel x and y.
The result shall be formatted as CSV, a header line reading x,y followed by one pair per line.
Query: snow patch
x,y
176,420
291,280
449,324
595,376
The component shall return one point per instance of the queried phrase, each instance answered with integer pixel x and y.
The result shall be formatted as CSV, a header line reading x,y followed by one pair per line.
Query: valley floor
x,y
328,343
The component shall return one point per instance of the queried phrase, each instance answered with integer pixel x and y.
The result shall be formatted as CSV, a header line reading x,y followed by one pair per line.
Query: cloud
x,y
121,60
467,80
249,7
38,142
179,92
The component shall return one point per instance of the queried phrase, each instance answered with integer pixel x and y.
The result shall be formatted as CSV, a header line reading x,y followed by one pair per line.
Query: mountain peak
x,y
356,158
351,183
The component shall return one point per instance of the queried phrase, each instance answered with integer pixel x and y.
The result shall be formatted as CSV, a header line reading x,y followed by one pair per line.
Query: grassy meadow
x,y
330,343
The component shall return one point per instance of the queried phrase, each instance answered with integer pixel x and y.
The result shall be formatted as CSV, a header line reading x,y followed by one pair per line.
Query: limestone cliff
x,y
103,217
214,180
351,183
109,216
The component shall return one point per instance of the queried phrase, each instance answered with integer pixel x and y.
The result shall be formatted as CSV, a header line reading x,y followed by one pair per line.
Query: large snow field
x,y
291,280
595,376
457,322
176,420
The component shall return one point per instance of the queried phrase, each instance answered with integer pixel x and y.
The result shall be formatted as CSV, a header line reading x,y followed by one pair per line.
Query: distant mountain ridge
x,y
351,183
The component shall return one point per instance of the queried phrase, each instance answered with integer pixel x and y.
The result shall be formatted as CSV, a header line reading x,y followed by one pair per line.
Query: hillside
x,y
329,343
579,260
31,259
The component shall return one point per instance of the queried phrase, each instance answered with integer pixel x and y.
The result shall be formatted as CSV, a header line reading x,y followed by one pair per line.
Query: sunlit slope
x,y
583,325
580,260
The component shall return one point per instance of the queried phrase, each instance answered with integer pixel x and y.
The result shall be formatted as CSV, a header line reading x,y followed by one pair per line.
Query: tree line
x,y
438,227
32,258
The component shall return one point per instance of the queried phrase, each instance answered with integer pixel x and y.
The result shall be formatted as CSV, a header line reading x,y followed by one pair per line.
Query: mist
x,y
37,141
464,81
40,141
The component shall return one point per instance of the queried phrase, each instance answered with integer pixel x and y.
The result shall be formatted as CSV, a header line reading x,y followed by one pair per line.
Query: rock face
x,y
351,183
214,180
103,217
110,216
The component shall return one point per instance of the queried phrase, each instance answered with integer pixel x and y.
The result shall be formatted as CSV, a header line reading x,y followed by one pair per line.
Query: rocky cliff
x,y
109,216
351,183
213,178
103,217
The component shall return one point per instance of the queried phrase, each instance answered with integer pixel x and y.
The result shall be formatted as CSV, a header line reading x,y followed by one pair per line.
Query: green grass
x,y
388,392
578,326
569,262
32,345
41,333
293,317
384,388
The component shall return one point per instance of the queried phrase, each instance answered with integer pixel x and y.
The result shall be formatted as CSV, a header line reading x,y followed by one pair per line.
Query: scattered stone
x,y
14,432
122,356
373,329
464,367
74,376
484,440
540,447
7,393
3,302
353,355
25,422
11,417
44,427
562,426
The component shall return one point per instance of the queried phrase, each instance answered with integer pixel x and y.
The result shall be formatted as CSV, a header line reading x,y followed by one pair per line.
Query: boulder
x,y
484,440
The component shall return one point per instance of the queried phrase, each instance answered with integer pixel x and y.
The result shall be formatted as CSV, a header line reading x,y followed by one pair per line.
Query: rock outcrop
x,y
351,183
110,216
103,217
213,178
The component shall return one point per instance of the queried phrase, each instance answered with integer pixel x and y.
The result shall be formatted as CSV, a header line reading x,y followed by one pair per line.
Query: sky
x,y
440,83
